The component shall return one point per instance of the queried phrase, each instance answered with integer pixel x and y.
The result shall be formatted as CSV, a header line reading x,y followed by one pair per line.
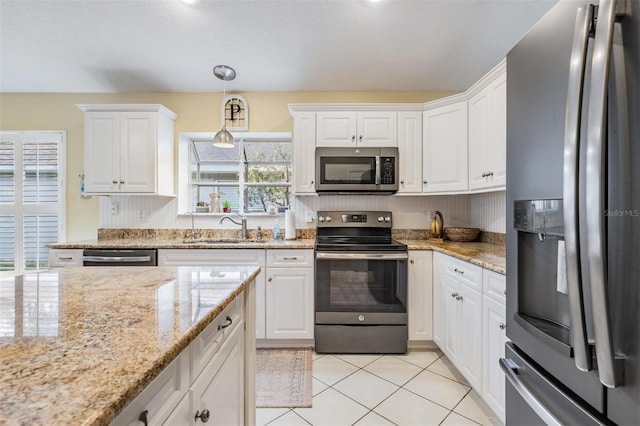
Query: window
x,y
32,198
250,177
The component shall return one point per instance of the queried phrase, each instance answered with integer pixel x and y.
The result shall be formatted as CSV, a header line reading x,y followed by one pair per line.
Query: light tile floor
x,y
419,388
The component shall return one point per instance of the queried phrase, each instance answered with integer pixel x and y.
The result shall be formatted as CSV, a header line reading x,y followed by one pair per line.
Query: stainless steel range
x,y
360,284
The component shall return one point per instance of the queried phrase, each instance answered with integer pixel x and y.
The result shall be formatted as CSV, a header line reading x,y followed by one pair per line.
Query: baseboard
x,y
285,343
422,345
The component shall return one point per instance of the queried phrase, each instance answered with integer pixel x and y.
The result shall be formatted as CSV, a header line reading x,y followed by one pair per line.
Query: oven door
x,y
362,288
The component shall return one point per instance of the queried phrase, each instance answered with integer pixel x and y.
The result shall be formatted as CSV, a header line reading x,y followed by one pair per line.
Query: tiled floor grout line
x,y
398,388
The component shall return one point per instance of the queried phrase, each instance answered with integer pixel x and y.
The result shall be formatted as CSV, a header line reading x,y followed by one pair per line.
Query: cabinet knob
x,y
411,261
454,294
490,174
484,174
360,138
502,326
311,182
121,181
114,182
204,416
143,417
458,298
402,182
353,138
269,279
425,182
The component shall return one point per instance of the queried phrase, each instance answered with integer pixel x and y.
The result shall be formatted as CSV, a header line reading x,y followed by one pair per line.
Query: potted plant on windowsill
x,y
202,207
226,206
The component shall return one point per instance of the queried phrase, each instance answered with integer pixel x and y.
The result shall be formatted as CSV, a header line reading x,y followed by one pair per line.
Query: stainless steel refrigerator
x,y
573,218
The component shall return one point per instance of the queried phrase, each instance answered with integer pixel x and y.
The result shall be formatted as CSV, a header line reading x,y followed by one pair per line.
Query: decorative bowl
x,y
461,234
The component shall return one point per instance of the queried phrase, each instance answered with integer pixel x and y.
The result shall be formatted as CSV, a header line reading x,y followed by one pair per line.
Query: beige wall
x,y
197,112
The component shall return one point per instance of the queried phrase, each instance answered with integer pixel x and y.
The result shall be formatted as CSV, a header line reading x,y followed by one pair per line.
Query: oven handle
x,y
362,256
114,259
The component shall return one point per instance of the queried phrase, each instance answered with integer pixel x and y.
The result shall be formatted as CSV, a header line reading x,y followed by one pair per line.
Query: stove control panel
x,y
370,219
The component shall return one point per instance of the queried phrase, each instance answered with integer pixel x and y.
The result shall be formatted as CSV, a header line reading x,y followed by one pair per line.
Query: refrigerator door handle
x,y
595,193
510,369
577,67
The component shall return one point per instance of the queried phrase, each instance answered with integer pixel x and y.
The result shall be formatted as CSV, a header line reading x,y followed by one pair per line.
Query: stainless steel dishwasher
x,y
120,257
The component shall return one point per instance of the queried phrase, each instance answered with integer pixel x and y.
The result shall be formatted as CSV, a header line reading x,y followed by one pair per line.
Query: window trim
x,y
184,171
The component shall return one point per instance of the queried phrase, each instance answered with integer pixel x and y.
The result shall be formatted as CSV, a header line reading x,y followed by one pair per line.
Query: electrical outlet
x,y
143,215
308,217
114,208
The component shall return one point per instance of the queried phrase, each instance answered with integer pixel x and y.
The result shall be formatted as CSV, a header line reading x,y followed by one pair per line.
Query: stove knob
x,y
380,219
320,218
387,219
328,219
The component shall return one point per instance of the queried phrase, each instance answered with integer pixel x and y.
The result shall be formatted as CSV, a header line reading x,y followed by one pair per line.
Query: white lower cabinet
x,y
209,381
217,395
495,337
469,324
222,257
419,295
289,294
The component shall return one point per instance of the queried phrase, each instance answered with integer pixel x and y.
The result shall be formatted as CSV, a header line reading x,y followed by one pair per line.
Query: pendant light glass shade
x,y
224,139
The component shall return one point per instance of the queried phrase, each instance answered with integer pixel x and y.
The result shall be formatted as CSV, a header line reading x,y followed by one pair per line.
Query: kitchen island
x,y
77,345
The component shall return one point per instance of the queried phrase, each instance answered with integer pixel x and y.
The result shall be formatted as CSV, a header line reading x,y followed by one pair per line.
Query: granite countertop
x,y
78,344
488,256
208,243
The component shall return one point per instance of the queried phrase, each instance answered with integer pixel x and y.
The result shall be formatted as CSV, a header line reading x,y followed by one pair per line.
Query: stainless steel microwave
x,y
349,170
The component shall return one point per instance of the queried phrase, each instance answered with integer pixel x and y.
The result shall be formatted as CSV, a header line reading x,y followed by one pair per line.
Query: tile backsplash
x,y
484,211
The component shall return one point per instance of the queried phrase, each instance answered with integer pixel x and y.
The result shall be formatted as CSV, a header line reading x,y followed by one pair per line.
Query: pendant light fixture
x,y
224,139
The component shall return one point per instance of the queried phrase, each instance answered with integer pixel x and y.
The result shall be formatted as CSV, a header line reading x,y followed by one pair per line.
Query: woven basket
x,y
461,234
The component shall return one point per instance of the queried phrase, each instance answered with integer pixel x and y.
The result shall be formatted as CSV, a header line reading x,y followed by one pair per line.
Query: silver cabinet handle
x,y
65,257
570,189
596,240
204,416
454,294
361,256
510,369
459,298
502,326
228,322
289,258
270,279
458,271
378,171
144,417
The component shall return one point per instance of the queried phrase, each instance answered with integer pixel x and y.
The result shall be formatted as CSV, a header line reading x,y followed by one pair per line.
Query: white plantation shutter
x,y
32,198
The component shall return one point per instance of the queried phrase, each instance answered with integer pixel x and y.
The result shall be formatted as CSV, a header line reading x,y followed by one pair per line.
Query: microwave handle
x,y
378,171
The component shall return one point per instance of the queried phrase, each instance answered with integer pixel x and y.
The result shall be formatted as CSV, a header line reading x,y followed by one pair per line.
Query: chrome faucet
x,y
193,229
243,223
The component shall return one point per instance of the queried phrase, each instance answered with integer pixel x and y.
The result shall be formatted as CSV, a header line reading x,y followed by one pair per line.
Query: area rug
x,y
283,378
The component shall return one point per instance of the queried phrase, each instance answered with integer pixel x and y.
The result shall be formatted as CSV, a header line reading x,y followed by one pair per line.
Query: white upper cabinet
x,y
128,149
410,151
304,145
445,149
355,128
488,134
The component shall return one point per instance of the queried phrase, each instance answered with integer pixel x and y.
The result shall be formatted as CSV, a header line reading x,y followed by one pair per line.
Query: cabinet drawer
x,y
290,258
159,398
494,285
211,338
65,257
464,272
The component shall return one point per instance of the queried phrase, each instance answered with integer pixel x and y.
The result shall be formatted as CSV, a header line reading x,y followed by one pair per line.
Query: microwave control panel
x,y
388,170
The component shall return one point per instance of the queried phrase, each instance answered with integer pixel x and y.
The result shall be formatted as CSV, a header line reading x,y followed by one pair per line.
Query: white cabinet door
x,y
289,303
410,152
495,337
362,129
102,152
336,128
220,387
304,145
487,136
439,324
452,319
445,148
470,343
138,151
419,295
377,129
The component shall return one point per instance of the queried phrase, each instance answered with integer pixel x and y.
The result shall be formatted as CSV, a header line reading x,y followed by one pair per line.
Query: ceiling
x,y
95,46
